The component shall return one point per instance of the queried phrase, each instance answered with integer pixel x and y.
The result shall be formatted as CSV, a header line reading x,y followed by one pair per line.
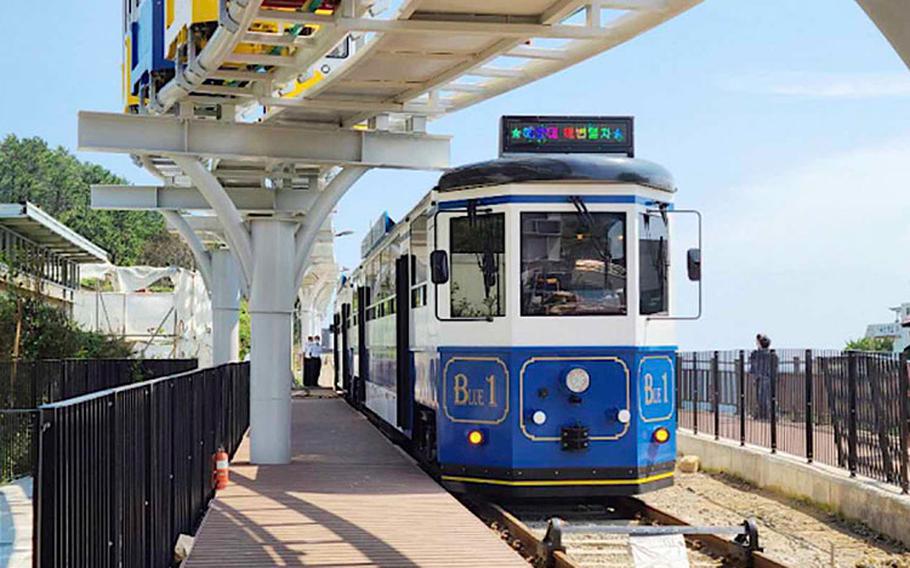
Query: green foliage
x,y
244,328
871,344
56,181
47,333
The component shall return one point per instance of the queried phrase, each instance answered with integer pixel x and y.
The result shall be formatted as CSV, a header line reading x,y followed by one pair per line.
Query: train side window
x,y
653,246
477,266
419,250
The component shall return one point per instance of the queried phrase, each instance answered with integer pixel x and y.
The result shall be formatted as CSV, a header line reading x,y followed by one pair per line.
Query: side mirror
x,y
439,267
693,264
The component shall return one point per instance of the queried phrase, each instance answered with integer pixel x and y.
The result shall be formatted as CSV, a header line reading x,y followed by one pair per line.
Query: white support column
x,y
272,298
225,295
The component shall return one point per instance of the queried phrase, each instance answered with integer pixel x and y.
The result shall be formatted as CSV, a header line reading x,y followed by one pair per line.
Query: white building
x,y
899,329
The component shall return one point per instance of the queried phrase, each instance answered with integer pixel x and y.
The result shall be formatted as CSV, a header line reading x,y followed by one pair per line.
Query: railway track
x,y
595,534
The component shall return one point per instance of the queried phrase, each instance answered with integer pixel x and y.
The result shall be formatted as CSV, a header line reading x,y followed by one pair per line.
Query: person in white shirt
x,y
312,361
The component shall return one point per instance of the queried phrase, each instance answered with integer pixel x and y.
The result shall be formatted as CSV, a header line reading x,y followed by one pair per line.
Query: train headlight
x,y
476,438
624,416
539,417
661,435
578,380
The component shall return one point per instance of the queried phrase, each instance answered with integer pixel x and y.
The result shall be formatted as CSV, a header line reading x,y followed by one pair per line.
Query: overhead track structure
x,y
268,112
426,58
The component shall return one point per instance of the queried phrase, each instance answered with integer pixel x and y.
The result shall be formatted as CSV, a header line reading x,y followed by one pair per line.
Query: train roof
x,y
558,167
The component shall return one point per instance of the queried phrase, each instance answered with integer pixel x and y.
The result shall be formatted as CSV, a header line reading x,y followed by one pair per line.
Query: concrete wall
x,y
880,506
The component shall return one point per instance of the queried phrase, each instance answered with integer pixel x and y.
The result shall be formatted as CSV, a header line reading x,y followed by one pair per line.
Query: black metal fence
x,y
29,384
17,448
847,409
123,472
25,385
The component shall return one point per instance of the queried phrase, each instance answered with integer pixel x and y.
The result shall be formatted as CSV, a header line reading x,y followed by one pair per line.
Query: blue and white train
x,y
515,326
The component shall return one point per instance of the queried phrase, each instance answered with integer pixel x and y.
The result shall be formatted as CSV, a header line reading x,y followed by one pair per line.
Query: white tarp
x,y
130,278
659,551
160,324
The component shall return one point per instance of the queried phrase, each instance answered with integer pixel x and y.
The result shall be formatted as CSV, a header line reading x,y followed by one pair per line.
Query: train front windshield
x,y
573,264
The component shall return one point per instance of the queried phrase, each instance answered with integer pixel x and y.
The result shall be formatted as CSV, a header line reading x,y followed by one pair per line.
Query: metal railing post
x,y
904,413
695,393
42,500
715,393
741,382
774,361
810,419
116,502
851,417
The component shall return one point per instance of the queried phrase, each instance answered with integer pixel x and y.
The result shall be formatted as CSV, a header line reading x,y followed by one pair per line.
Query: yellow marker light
x,y
661,435
475,437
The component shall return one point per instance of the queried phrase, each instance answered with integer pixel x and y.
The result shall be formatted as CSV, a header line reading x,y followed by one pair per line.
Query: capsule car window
x,y
478,266
573,264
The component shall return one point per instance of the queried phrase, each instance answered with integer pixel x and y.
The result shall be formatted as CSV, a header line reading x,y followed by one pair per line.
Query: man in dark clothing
x,y
762,367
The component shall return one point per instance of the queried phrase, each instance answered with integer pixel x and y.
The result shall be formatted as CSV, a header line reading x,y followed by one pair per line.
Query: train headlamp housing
x,y
477,437
661,435
578,380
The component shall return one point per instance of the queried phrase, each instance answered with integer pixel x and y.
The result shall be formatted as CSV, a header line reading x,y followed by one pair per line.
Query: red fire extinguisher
x,y
220,469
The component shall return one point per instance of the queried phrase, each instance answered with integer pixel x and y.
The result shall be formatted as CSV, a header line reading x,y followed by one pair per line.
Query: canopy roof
x,y
29,221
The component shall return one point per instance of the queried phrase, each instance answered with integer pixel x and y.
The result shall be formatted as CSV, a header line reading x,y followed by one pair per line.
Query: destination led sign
x,y
567,135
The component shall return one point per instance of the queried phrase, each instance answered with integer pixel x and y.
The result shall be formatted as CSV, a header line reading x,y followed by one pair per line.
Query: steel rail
x,y
707,537
710,541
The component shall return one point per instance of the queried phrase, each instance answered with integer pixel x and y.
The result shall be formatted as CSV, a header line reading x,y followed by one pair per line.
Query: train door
x,y
346,356
404,389
363,364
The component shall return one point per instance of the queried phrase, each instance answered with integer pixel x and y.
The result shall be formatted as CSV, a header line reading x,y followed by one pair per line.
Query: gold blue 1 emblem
x,y
476,390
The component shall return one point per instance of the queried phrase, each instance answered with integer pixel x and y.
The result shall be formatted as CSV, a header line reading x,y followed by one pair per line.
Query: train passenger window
x,y
653,246
419,250
477,266
573,264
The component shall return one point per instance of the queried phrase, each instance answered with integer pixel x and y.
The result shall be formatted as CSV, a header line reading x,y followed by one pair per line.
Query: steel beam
x,y
172,198
316,216
432,26
159,135
192,240
235,230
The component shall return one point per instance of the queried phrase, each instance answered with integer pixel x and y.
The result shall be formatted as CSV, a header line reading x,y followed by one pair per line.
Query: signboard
x,y
567,135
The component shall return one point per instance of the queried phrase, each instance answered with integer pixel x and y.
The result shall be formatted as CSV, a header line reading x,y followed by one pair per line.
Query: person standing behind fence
x,y
762,366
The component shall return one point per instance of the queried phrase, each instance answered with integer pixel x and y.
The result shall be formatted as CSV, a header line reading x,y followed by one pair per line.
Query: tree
x,y
56,181
871,344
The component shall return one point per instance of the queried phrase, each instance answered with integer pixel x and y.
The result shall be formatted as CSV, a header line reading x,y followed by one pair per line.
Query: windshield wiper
x,y
588,219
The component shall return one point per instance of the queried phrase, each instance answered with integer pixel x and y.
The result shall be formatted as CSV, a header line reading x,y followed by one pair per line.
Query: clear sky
x,y
786,123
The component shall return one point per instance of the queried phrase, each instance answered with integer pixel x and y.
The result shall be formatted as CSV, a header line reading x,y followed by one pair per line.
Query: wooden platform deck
x,y
349,498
